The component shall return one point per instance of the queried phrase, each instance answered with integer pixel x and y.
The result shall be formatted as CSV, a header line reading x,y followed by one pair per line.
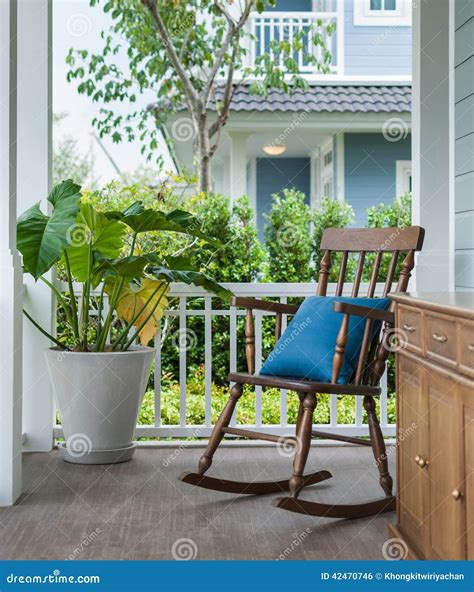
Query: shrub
x,y
271,399
241,256
288,238
330,213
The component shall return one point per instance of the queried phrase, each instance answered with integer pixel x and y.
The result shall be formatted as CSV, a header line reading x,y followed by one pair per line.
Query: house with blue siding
x,y
347,136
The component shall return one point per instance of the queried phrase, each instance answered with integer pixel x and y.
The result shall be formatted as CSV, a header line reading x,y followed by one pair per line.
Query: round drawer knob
x,y
421,462
457,495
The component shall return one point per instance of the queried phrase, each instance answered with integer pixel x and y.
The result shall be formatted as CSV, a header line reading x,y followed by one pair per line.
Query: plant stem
x,y
116,293
75,324
45,333
86,292
130,324
60,298
148,317
100,310
102,339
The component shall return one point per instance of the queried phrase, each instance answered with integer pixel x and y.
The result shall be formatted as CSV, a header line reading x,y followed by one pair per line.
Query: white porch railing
x,y
284,26
181,295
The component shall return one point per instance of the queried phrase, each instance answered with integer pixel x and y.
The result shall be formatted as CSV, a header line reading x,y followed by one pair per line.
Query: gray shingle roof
x,y
326,98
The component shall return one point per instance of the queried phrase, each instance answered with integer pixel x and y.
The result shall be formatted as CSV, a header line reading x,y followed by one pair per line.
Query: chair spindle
x,y
358,274
278,324
391,273
324,274
342,274
341,344
374,275
250,341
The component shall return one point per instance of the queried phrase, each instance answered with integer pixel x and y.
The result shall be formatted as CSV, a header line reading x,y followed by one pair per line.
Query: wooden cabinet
x,y
435,429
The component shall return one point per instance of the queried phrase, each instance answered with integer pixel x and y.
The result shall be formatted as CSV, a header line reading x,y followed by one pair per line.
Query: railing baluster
x,y
208,359
283,392
182,360
258,365
383,401
358,411
157,378
233,349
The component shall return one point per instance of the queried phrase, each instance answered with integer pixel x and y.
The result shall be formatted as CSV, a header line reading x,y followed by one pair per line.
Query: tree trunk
x,y
203,156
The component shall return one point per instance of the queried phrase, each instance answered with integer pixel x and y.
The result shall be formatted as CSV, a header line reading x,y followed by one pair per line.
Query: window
x,y
383,4
327,172
403,177
382,13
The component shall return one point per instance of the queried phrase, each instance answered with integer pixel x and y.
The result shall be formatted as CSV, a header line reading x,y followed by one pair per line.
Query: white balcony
x,y
269,27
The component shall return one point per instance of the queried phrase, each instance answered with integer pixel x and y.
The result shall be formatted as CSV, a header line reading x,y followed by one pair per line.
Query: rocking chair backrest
x,y
372,358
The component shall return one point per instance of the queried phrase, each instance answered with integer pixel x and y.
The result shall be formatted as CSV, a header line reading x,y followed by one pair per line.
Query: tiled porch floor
x,y
138,510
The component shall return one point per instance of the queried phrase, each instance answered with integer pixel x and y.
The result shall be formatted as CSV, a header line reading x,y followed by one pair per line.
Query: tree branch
x,y
233,32
190,91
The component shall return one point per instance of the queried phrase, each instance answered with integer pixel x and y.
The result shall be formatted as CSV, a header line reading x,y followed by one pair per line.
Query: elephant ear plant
x,y
96,249
100,374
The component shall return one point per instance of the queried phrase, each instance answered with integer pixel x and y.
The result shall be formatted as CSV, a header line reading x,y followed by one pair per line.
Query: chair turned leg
x,y
216,437
378,446
303,437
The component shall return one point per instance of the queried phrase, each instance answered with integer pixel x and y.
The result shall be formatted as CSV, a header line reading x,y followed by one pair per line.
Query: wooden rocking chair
x,y
364,383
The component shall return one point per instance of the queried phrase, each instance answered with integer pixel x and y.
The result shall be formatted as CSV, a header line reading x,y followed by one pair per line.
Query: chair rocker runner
x,y
364,383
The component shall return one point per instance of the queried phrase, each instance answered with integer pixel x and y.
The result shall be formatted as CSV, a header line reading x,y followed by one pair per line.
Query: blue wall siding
x,y
369,167
375,50
276,174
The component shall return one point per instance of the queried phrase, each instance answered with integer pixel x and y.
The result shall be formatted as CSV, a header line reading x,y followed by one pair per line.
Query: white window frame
x,y
400,17
402,177
327,171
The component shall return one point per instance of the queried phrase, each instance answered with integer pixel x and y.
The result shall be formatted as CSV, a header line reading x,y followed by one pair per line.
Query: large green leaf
x,y
140,219
127,267
42,239
190,277
93,230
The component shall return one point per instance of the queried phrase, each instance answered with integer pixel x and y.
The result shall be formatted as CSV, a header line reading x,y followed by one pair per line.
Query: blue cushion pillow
x,y
306,349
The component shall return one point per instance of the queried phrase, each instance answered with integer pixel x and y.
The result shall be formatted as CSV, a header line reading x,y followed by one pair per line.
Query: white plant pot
x,y
99,396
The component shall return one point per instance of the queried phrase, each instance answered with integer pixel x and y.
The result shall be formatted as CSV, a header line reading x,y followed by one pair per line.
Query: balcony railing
x,y
188,302
268,27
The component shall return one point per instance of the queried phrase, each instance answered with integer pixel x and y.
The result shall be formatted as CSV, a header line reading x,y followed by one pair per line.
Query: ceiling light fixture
x,y
274,149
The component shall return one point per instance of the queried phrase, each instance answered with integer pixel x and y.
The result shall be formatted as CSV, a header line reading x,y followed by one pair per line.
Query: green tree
x,y
181,51
331,213
68,161
288,238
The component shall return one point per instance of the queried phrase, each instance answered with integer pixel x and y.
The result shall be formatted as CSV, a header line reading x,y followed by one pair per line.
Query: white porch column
x,y
432,142
34,173
238,165
10,267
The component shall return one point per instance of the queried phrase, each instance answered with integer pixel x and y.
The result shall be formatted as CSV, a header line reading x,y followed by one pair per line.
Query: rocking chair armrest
x,y
254,304
364,311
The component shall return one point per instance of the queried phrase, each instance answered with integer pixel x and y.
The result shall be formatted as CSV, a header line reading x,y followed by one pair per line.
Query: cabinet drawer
x,y
410,323
441,341
466,347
